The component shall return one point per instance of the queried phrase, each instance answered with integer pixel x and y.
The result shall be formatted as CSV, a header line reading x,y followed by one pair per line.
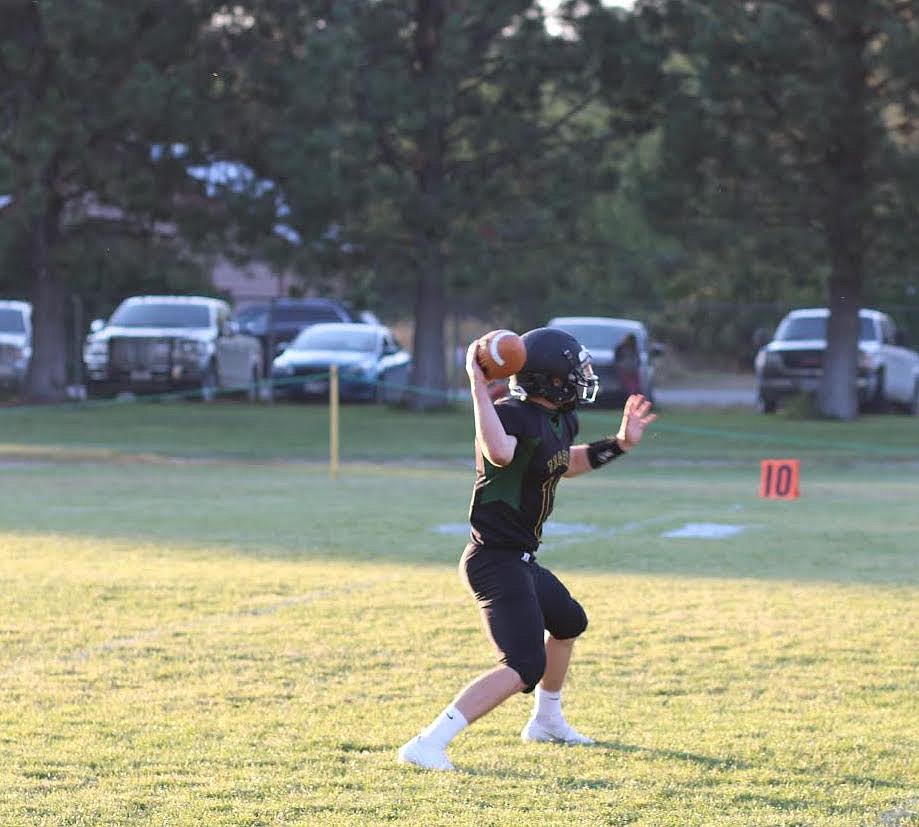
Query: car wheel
x,y
879,401
391,386
210,384
766,406
99,390
378,390
912,407
253,389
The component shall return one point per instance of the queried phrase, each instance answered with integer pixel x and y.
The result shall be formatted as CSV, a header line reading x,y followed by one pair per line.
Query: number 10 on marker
x,y
779,479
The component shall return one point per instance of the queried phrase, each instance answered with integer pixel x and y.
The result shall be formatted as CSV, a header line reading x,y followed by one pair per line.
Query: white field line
x,y
618,531
637,525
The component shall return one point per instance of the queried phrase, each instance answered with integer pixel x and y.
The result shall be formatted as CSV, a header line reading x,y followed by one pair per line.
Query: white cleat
x,y
556,730
421,752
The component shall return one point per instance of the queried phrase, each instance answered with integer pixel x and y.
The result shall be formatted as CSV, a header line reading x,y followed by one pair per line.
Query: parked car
x,y
15,343
372,365
602,336
165,343
792,363
276,323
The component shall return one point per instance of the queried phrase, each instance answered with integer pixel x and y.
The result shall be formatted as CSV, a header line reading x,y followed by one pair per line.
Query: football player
x,y
524,445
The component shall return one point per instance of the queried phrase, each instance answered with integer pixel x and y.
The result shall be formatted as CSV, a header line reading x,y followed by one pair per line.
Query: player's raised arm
x,y
496,445
636,416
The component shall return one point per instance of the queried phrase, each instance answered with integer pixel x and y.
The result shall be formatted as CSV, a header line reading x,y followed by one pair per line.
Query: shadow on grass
x,y
708,761
854,531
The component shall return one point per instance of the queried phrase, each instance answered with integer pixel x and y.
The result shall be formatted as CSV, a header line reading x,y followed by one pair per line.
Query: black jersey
x,y
510,504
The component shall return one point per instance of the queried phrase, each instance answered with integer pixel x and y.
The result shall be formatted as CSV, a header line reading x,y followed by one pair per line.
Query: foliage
x,y
789,152
108,429
456,143
676,162
106,106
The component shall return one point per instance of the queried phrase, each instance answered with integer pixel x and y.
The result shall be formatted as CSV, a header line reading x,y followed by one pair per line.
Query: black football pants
x,y
519,600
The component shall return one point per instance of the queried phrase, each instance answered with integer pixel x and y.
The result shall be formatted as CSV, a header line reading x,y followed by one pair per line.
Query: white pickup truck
x,y
888,372
15,343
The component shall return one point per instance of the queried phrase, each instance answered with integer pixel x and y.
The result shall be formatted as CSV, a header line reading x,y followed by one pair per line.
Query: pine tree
x,y
434,133
798,118
104,107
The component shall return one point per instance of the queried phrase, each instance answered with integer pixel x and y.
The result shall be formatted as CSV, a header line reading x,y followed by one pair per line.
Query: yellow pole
x,y
333,421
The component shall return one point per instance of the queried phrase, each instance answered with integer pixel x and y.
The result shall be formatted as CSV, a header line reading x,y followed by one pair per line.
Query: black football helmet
x,y
557,368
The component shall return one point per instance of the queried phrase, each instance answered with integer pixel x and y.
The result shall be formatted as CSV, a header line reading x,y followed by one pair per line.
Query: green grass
x,y
376,433
237,641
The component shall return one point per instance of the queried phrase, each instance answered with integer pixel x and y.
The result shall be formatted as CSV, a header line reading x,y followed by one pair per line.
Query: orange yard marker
x,y
779,479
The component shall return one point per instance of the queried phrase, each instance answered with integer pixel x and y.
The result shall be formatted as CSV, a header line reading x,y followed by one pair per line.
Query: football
x,y
500,353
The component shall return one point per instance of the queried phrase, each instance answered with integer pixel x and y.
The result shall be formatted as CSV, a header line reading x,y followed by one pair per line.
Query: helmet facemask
x,y
579,387
586,381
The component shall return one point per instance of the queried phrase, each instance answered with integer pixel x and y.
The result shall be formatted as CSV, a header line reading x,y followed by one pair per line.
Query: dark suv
x,y
276,323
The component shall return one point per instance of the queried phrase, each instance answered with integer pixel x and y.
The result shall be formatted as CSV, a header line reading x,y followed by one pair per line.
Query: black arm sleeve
x,y
603,451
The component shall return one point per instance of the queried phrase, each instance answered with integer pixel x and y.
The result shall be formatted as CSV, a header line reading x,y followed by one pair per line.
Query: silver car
x,y
15,343
372,365
170,343
602,336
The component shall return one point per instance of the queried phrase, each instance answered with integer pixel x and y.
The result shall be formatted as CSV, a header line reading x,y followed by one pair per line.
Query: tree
x,y
436,136
104,107
796,121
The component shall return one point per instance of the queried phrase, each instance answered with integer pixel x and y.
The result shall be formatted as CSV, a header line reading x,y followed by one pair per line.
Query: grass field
x,y
199,626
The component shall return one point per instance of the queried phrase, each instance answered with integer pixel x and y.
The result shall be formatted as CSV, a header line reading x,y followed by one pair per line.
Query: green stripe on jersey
x,y
505,484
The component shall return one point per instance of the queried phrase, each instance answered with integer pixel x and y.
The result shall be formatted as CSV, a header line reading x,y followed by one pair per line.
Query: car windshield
x,y
337,338
161,315
311,315
11,321
814,327
300,316
248,314
597,336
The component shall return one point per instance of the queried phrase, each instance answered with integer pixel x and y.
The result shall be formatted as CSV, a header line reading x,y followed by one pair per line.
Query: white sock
x,y
548,704
446,726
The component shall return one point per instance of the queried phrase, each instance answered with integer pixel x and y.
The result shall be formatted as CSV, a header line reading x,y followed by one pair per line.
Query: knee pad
x,y
529,667
571,626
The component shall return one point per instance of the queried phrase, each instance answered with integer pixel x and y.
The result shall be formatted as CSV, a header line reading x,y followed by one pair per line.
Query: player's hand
x,y
476,376
636,416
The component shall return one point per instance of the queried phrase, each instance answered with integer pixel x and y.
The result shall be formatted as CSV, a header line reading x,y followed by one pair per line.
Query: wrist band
x,y
603,451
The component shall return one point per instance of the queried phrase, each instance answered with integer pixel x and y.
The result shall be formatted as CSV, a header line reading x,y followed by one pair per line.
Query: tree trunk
x,y
429,375
845,215
838,393
48,374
